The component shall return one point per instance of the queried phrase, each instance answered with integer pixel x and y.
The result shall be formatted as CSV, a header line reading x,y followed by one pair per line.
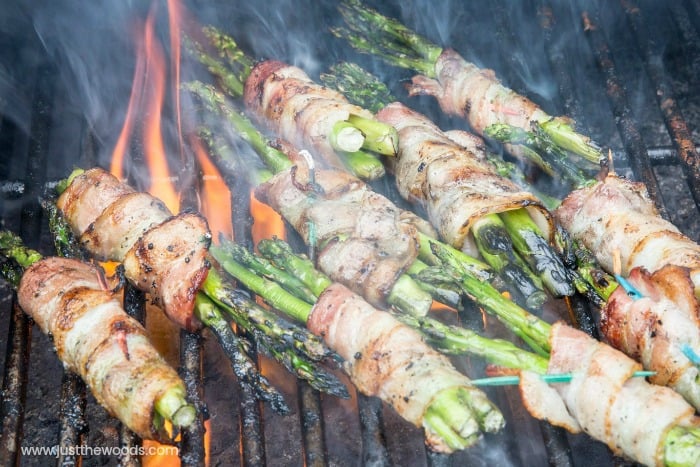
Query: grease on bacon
x,y
387,359
448,174
163,254
96,339
289,103
629,414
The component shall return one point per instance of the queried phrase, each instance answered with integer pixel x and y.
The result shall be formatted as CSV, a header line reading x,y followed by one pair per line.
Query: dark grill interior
x,y
626,71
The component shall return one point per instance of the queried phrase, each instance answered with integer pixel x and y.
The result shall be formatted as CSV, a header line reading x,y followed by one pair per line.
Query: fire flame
x,y
143,123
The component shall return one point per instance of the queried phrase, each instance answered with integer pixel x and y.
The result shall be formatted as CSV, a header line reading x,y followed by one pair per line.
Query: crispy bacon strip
x,y
363,240
385,358
628,414
163,255
284,98
654,329
617,215
475,94
454,183
96,339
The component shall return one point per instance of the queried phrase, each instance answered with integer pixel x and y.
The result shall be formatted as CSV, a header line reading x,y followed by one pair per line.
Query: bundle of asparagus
x,y
465,90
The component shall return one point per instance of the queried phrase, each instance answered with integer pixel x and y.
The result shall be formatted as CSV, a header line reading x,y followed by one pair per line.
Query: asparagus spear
x,y
370,32
17,257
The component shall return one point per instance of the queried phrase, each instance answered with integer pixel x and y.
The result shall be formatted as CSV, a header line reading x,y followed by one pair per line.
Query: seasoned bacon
x,y
163,254
363,240
617,215
475,94
654,329
454,183
387,359
627,413
96,339
284,98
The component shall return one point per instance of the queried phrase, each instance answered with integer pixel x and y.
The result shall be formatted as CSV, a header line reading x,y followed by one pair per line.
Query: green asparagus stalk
x,y
531,244
379,137
364,165
539,142
346,137
297,350
236,348
267,269
171,406
527,326
494,243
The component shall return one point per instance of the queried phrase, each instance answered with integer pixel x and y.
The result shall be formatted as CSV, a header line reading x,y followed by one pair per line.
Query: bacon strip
x,y
628,414
618,215
294,107
654,329
163,255
385,358
454,183
475,94
363,240
97,340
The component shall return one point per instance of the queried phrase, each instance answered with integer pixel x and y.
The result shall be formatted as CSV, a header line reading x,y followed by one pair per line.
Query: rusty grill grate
x,y
626,71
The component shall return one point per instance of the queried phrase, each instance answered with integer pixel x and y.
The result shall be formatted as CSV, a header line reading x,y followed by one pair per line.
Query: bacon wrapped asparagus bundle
x,y
661,328
163,255
650,424
617,215
94,337
575,365
383,357
288,102
362,239
461,88
461,191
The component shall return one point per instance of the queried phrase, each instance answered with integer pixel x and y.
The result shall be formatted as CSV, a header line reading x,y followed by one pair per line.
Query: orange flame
x,y
215,197
266,222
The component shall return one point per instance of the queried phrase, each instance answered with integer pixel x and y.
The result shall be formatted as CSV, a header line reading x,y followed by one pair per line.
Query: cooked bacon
x,y
654,329
363,240
387,359
284,98
617,215
96,339
475,94
163,254
627,413
454,183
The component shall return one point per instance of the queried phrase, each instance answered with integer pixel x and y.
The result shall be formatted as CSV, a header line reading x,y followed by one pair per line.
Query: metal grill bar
x,y
629,132
651,52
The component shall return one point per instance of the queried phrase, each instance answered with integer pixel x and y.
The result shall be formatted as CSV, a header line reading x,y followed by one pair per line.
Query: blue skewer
x,y
554,378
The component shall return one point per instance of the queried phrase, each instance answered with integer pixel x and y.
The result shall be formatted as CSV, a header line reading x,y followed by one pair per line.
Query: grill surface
x,y
625,71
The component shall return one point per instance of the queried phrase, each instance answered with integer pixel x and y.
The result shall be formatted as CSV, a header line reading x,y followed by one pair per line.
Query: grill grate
x,y
637,58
